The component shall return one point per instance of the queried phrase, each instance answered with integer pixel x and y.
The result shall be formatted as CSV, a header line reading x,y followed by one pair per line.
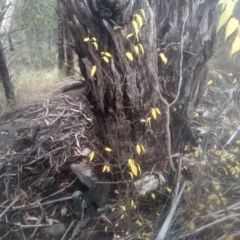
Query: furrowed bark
x,y
5,78
122,91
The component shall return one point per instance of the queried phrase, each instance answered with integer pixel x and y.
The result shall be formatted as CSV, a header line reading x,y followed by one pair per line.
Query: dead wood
x,y
38,144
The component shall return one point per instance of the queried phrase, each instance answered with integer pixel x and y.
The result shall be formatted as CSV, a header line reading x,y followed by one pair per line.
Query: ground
x,y
37,146
45,150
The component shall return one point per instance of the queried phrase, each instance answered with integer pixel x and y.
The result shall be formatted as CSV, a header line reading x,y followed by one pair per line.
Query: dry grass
x,y
31,86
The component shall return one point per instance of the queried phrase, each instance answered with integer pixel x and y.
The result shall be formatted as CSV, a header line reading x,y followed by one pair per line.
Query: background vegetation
x,y
32,55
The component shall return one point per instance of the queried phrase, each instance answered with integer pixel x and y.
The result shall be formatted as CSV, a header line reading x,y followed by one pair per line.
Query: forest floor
x,y
37,146
44,153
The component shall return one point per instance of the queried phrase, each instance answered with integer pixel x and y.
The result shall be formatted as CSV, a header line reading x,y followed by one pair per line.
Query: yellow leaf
x,y
129,56
158,111
200,206
124,208
135,26
108,168
144,193
230,74
231,27
93,70
95,45
104,168
230,237
236,45
199,140
105,59
116,224
132,203
139,169
168,189
94,39
106,228
107,149
138,223
142,120
203,163
234,81
209,82
91,156
154,113
192,226
136,50
153,196
142,147
141,47
146,178
86,39
130,161
138,149
130,35
107,54
196,115
139,20
227,13
164,59
133,169
220,76
131,174
186,148
143,14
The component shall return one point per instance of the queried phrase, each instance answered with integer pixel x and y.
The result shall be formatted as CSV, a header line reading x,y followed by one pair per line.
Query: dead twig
x,y
68,229
38,222
34,205
164,229
6,210
30,226
209,225
61,190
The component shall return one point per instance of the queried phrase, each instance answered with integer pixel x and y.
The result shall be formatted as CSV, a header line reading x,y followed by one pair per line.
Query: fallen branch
x,y
164,229
209,225
5,211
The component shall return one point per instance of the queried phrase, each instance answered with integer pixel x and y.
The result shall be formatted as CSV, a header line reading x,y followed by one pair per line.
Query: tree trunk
x,y
125,92
6,22
5,78
60,32
69,50
4,30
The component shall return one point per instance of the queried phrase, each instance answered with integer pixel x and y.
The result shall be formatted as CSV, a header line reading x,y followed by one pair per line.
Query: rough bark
x,y
60,32
122,92
5,78
6,22
69,50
